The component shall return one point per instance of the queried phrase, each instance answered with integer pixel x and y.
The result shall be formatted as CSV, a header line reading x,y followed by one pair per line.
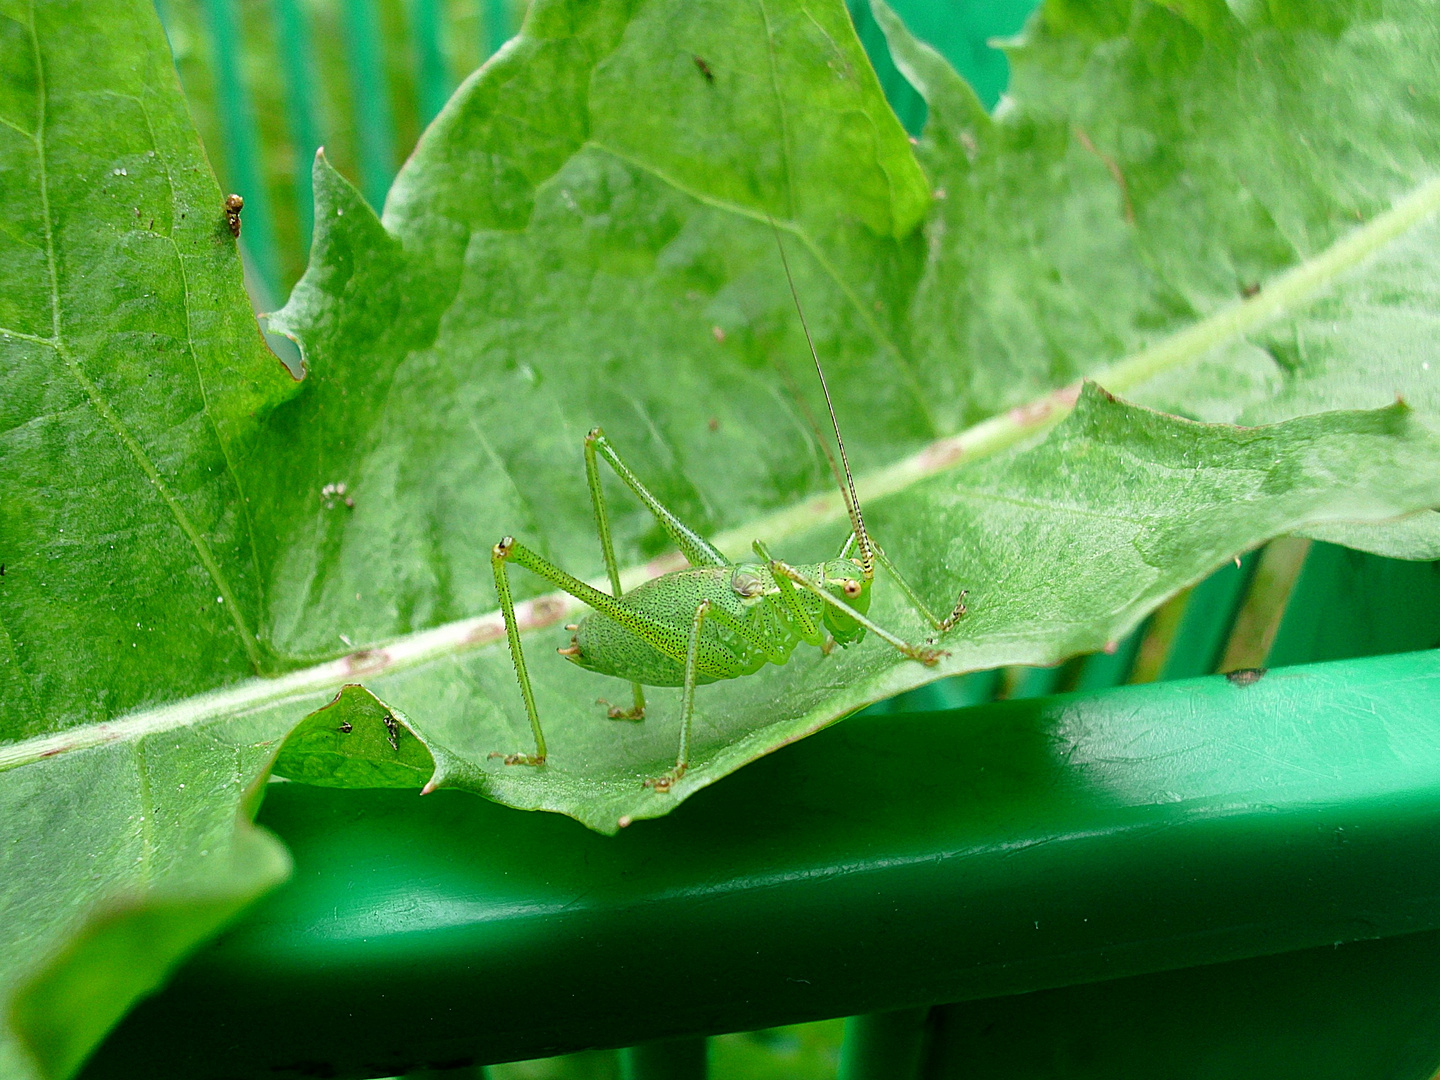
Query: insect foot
x,y
519,759
927,656
663,784
615,712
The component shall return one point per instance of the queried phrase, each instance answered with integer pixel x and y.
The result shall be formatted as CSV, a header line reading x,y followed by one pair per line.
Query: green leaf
x,y
135,384
129,948
591,271
358,741
1152,166
193,541
1064,547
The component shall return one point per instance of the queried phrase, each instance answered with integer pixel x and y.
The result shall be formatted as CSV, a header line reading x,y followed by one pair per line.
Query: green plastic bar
x,y
241,152
889,862
1346,603
374,125
883,1046
666,1059
292,30
1363,1011
494,24
431,78
1209,616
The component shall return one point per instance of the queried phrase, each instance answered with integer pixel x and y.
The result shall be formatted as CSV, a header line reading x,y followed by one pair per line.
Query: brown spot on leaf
x,y
233,205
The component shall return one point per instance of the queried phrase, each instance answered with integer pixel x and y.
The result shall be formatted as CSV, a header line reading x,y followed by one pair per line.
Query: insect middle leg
x,y
687,702
940,625
698,550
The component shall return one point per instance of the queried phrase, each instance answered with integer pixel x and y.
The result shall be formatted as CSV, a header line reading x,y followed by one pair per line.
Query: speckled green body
x,y
751,598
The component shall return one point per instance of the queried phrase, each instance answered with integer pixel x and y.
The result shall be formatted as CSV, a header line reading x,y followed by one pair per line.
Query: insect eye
x,y
851,587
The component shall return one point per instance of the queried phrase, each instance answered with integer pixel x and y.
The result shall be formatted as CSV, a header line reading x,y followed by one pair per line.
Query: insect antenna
x,y
847,483
820,440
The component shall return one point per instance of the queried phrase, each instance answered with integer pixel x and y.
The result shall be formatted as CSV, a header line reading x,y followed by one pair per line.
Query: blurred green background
x,y
270,81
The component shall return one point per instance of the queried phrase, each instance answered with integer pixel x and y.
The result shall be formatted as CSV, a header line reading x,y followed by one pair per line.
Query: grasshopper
x,y
714,619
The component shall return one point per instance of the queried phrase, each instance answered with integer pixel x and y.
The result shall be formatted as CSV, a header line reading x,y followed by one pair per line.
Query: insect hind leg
x,y
498,554
656,634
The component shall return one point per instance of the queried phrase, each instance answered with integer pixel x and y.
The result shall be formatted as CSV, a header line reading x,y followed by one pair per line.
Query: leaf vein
x,y
92,391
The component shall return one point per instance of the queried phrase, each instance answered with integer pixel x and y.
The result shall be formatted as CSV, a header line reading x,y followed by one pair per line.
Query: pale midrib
x,y
986,438
97,401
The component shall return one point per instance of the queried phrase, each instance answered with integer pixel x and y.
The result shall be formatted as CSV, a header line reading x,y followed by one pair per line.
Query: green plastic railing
x,y
1197,877
890,862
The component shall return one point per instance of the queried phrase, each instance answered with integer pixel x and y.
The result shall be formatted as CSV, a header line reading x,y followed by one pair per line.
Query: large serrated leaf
x,y
200,552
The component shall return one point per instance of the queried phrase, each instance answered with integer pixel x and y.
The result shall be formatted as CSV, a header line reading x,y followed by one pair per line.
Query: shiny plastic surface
x,y
1369,1010
891,861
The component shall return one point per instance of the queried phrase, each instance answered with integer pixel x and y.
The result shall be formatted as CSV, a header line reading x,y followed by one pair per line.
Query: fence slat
x,y
374,123
241,153
293,34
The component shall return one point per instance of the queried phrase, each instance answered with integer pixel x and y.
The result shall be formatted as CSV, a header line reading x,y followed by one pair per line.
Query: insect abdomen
x,y
670,601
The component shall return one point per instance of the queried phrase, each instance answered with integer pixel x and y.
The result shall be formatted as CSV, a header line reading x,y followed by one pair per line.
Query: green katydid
x,y
714,619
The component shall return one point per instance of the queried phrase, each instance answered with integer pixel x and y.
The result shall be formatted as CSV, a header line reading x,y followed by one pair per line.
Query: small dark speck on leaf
x,y
233,205
713,424
704,68
1249,289
1245,676
346,727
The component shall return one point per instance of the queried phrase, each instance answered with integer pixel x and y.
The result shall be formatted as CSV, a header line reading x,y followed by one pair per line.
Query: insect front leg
x,y
940,625
687,703
922,653
808,628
